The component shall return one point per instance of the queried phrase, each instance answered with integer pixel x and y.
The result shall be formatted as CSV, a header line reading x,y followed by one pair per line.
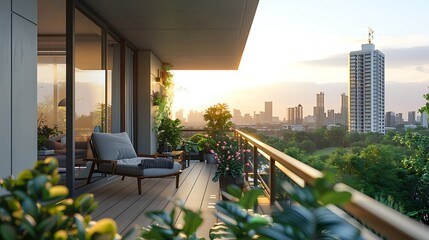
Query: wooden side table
x,y
177,156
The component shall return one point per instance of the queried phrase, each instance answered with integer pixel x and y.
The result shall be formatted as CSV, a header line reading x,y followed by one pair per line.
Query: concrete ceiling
x,y
189,34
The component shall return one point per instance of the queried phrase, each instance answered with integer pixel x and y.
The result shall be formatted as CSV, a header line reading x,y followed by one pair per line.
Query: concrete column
x,y
148,68
18,85
5,89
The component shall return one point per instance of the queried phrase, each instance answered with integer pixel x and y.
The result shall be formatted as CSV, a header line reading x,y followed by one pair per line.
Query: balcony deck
x,y
119,200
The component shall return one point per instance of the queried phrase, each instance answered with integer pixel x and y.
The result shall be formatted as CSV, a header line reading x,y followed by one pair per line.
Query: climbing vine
x,y
163,98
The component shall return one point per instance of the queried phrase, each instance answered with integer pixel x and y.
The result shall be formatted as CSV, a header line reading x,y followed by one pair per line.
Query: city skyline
x,y
196,116
307,110
290,56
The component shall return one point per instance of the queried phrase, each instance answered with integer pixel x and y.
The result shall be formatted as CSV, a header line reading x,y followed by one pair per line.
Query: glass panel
x,y
90,82
113,85
51,82
129,68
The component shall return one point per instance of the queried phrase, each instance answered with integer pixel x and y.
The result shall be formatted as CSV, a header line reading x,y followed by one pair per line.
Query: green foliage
x,y
165,227
417,164
44,132
163,99
425,108
170,131
237,222
188,146
218,119
229,158
378,165
37,209
308,219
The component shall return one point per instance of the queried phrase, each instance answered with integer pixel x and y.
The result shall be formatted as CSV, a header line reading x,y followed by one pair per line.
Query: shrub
x,y
35,208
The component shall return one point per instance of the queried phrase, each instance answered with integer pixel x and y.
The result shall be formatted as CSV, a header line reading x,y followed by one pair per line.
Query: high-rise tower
x,y
268,117
319,110
366,89
344,109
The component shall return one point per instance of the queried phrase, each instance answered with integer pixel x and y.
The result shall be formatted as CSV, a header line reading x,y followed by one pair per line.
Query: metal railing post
x,y
255,166
272,180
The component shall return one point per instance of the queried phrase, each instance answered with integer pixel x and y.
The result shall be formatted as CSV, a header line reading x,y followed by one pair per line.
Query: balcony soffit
x,y
191,35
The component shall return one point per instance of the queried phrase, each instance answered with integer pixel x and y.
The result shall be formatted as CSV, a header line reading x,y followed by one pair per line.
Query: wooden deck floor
x,y
119,199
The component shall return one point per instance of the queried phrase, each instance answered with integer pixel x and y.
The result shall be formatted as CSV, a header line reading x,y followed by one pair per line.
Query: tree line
x,y
392,168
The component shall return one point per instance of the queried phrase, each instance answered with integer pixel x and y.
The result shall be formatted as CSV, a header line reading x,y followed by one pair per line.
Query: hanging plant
x,y
158,98
164,98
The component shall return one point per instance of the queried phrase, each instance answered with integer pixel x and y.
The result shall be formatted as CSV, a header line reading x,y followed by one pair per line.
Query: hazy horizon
x,y
285,95
296,49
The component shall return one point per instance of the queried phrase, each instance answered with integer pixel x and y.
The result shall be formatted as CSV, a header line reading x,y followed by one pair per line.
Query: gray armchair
x,y
114,154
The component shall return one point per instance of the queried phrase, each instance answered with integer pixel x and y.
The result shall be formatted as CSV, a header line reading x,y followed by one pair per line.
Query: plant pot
x,y
225,181
201,156
165,148
210,157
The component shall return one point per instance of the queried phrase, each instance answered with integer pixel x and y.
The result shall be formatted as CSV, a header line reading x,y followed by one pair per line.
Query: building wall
x,y
148,67
18,85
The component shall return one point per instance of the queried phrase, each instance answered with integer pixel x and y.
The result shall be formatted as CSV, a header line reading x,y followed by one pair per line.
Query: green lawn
x,y
325,151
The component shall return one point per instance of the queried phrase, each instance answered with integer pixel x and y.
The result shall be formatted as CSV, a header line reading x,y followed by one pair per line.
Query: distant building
x,y
339,119
424,120
236,116
196,118
295,114
319,110
268,114
179,115
299,110
344,109
291,115
366,90
331,117
247,119
309,120
399,119
411,117
390,119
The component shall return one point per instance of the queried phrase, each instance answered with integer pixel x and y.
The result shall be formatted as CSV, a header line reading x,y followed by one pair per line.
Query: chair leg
x,y
139,185
177,180
91,171
123,177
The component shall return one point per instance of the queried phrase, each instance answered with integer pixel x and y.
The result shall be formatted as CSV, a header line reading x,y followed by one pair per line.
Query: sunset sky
x,y
298,48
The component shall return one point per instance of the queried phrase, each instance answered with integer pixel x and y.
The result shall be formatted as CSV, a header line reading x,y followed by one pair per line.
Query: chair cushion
x,y
53,145
132,167
113,146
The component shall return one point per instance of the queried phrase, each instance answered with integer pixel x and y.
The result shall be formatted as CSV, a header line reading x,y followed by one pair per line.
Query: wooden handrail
x,y
372,213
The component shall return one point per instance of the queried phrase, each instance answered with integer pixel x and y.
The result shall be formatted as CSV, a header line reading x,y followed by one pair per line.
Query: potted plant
x,y
44,132
206,144
195,139
169,134
218,119
230,165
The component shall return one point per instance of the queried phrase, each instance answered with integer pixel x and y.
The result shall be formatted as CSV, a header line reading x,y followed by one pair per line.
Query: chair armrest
x,y
147,155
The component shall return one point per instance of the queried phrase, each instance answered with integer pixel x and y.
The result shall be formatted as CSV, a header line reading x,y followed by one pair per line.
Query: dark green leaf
x,y
7,232
250,198
192,221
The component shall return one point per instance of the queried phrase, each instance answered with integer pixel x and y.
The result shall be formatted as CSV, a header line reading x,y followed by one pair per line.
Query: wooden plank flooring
x,y
120,201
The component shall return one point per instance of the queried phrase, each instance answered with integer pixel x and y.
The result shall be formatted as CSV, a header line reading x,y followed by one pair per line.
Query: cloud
x,y
422,69
395,58
404,57
338,60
